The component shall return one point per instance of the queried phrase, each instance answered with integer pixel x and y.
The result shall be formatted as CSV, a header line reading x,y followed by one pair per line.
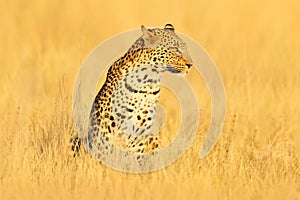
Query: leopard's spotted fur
x,y
124,109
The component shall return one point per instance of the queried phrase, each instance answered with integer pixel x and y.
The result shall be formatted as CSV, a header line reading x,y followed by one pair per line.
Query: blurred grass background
x,y
256,46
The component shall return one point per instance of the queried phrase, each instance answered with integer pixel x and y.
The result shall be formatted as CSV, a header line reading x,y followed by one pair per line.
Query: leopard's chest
x,y
133,100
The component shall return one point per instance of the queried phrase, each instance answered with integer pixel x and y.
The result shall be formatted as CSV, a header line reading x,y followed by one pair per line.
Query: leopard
x,y
124,110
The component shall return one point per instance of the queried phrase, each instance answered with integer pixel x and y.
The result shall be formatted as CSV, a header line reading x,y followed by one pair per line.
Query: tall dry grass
x,y
256,46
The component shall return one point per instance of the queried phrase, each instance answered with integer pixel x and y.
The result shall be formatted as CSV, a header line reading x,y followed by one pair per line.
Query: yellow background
x,y
256,46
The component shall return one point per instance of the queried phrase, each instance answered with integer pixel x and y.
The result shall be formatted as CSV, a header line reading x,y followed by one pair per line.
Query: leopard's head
x,y
169,49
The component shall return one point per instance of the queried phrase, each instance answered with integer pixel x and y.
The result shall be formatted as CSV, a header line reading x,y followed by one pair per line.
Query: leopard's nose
x,y
188,65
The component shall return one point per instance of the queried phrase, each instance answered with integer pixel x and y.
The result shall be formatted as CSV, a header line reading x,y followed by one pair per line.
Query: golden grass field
x,y
256,46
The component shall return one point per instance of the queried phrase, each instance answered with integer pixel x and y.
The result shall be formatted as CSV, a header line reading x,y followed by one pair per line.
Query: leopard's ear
x,y
148,36
144,29
169,27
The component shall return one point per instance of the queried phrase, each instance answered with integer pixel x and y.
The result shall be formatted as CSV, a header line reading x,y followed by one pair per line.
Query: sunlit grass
x,y
256,46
